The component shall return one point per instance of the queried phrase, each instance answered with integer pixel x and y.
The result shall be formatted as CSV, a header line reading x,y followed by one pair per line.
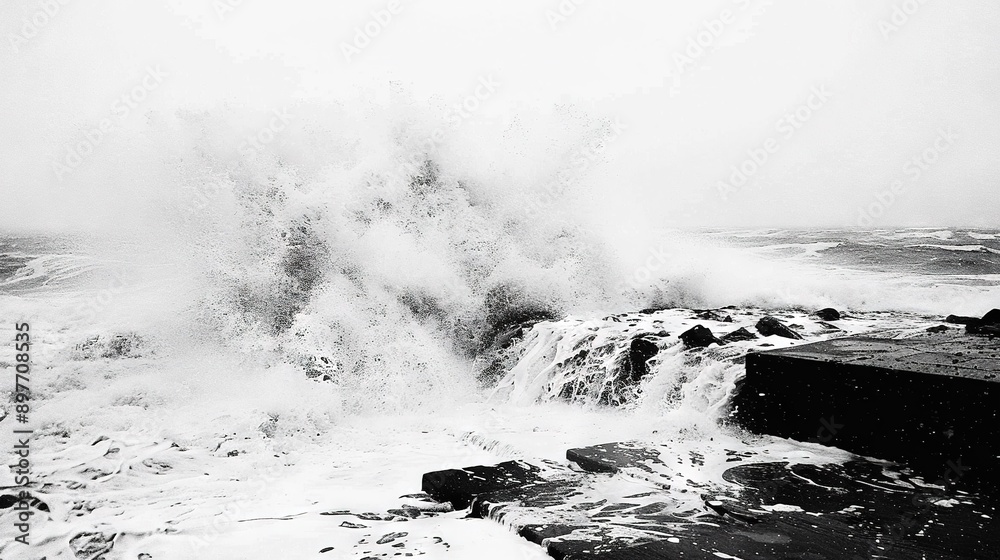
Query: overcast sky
x,y
734,113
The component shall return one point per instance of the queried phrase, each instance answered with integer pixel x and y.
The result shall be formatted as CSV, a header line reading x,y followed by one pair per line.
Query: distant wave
x,y
800,249
28,272
966,248
943,235
10,263
983,236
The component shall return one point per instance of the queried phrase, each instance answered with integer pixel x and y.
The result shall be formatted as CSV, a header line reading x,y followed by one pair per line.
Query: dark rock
x,y
828,314
698,337
960,320
739,335
938,329
712,315
769,326
982,328
989,324
460,486
651,310
610,457
639,352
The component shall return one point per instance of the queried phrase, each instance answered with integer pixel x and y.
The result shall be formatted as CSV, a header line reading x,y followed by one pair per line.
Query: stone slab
x,y
461,486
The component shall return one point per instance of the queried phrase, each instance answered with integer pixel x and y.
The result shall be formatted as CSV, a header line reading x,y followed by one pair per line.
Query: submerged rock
x,y
92,545
828,314
127,345
770,326
699,337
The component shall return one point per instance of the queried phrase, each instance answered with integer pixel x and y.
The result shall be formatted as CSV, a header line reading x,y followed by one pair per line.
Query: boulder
x,y
461,486
739,335
699,337
938,329
828,314
640,350
989,324
770,326
651,310
981,328
960,319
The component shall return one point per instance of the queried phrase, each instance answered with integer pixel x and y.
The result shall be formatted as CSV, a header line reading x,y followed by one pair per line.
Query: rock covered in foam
x,y
128,345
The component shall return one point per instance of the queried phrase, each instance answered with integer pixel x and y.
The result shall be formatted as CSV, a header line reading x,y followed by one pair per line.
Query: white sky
x,y
889,96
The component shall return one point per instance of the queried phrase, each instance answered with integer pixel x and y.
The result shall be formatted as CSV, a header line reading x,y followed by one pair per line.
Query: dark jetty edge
x,y
928,403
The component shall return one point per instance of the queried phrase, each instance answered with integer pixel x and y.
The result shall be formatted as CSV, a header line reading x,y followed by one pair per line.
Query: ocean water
x,y
208,393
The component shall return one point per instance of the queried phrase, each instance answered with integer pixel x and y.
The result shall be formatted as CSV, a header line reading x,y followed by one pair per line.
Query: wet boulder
x,y
989,324
640,351
768,326
699,337
738,335
828,314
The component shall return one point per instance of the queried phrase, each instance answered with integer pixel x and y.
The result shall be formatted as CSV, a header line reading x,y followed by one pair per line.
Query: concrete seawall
x,y
931,402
